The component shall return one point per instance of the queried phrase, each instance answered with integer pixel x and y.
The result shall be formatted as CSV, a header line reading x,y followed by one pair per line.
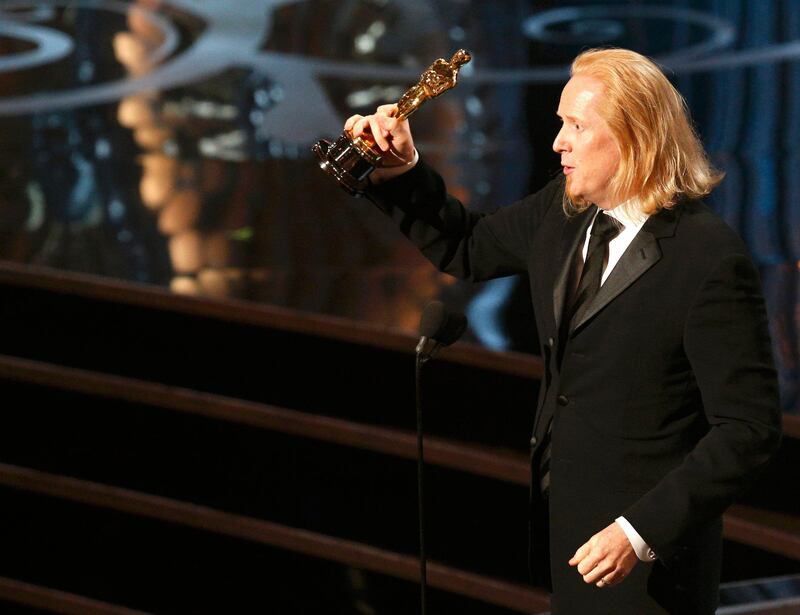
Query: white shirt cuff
x,y
640,547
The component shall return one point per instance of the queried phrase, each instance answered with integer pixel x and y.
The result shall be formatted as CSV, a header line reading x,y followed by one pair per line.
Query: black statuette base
x,y
346,163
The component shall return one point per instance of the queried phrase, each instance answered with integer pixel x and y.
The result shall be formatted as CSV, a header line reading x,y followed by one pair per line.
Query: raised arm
x,y
457,241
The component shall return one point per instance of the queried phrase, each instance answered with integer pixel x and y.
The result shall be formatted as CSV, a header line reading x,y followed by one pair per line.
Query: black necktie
x,y
604,229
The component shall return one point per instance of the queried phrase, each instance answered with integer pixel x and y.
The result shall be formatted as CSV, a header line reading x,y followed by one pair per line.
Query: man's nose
x,y
560,144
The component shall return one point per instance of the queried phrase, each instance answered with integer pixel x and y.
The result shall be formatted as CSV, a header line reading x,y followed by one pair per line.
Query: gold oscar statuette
x,y
350,160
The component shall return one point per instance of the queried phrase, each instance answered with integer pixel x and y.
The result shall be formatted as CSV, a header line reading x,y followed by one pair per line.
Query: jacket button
x,y
533,441
551,342
562,400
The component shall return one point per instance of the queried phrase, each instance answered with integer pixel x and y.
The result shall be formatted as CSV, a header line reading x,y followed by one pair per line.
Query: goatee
x,y
576,200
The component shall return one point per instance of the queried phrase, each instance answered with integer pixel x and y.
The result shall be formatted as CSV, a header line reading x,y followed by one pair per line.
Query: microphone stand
x,y
423,564
438,329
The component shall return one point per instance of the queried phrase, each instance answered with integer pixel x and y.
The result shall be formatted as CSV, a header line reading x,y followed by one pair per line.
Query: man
x,y
659,402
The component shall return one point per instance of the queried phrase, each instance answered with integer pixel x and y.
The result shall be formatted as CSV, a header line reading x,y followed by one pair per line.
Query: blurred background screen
x,y
167,143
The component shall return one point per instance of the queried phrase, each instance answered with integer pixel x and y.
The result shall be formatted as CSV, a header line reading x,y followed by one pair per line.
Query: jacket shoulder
x,y
703,230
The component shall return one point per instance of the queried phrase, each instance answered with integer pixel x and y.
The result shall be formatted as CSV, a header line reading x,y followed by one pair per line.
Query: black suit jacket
x,y
665,403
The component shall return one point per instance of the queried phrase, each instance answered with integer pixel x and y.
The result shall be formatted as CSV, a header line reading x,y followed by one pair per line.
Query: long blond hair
x,y
661,157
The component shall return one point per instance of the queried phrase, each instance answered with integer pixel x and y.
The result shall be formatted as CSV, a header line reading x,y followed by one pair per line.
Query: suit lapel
x,y
572,234
641,255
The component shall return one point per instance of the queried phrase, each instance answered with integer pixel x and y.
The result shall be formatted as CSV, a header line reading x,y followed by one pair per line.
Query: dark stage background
x,y
163,147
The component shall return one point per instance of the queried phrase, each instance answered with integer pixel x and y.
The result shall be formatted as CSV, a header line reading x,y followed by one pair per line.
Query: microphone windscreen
x,y
438,325
433,319
454,327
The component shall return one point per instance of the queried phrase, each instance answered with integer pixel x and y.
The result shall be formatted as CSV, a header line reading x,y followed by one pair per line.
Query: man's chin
x,y
576,199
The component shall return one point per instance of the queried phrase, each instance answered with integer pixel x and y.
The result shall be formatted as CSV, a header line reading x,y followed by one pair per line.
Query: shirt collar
x,y
629,213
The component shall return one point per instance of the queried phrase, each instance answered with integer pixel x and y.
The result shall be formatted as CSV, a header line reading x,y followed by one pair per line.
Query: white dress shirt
x,y
628,214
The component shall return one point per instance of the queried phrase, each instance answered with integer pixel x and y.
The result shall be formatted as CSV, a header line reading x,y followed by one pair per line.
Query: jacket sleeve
x,y
727,342
459,242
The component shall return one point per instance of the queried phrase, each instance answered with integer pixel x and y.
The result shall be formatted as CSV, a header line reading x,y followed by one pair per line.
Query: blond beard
x,y
576,201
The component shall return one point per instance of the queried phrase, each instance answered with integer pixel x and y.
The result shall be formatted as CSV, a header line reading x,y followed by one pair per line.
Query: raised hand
x,y
390,135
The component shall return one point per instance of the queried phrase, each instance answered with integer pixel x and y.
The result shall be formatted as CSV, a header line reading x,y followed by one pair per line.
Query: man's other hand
x,y
606,558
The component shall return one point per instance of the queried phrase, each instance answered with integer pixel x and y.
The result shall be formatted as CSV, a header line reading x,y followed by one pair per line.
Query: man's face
x,y
589,153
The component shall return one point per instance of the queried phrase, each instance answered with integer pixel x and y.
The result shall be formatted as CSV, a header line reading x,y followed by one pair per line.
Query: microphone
x,y
438,328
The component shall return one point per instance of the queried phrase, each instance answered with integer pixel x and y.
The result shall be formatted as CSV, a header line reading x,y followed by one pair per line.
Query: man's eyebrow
x,y
568,118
